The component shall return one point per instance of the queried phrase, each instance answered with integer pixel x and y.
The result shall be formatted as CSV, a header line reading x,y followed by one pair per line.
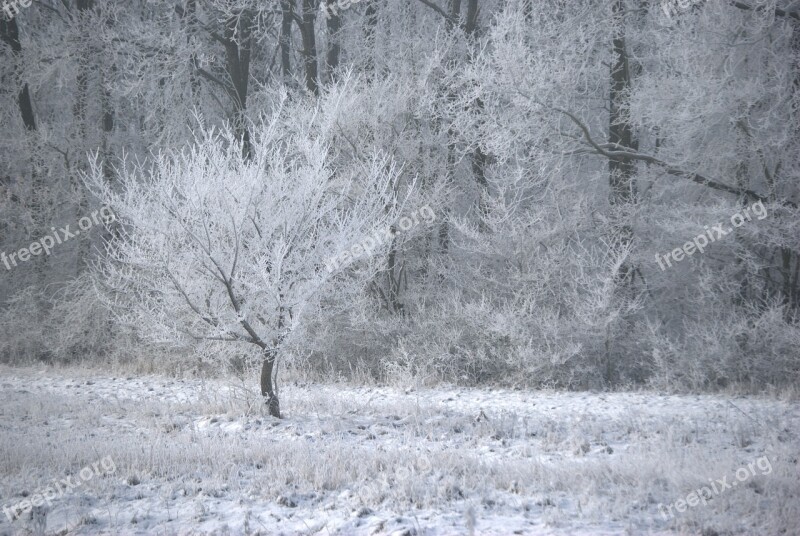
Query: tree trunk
x,y
306,23
9,33
479,158
191,29
237,63
371,22
455,14
267,388
472,17
334,24
287,11
107,107
79,114
623,187
621,174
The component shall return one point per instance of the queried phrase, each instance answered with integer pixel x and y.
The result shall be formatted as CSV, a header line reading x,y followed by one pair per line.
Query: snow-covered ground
x,y
157,455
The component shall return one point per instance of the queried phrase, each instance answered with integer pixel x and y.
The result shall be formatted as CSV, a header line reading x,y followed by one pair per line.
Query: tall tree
x,y
9,33
334,26
85,22
238,42
285,39
620,135
306,21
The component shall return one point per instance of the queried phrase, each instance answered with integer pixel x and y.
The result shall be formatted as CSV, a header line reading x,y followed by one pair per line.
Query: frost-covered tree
x,y
556,142
220,247
701,124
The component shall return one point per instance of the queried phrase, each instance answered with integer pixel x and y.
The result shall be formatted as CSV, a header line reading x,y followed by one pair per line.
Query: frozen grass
x,y
201,457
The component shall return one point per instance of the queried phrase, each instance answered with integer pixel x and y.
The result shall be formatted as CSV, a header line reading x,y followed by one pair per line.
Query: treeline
x,y
574,156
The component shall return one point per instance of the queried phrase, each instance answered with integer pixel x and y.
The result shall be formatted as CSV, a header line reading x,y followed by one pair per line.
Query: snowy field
x,y
158,455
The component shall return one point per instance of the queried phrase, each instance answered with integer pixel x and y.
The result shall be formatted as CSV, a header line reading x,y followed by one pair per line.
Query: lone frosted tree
x,y
217,246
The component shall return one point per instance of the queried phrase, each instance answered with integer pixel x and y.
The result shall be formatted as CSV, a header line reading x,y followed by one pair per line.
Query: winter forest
x,y
400,267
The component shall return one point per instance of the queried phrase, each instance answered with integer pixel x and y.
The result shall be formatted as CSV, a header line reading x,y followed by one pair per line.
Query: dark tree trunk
x,y
623,188
287,12
472,17
334,24
479,158
267,387
306,23
26,108
371,23
455,14
9,33
192,24
79,113
107,106
621,173
237,63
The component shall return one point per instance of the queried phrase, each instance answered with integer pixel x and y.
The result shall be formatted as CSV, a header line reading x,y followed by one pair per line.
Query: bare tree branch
x,y
439,10
778,11
672,170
